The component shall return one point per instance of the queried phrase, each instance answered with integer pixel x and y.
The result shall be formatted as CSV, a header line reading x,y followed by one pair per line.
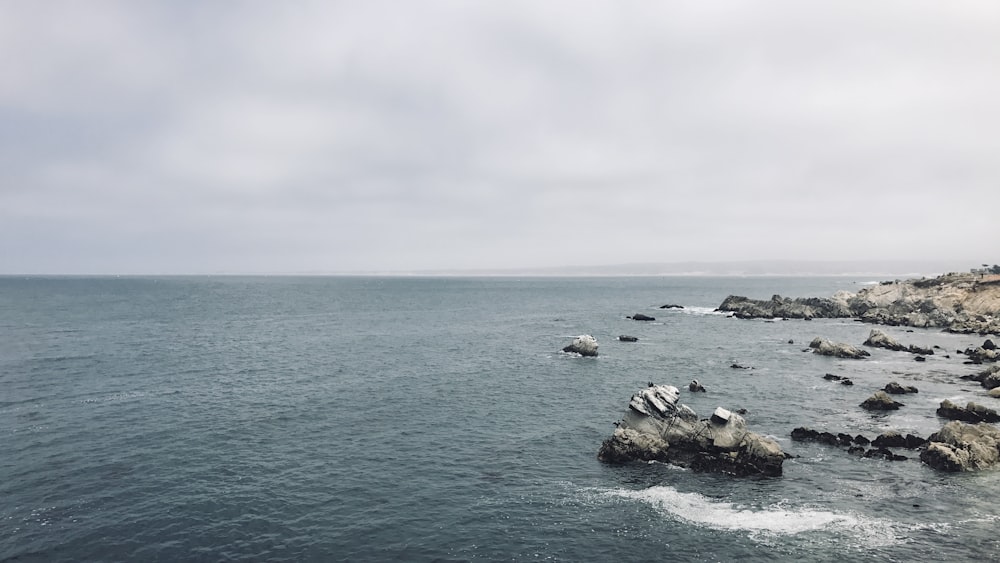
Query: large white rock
x,y
585,345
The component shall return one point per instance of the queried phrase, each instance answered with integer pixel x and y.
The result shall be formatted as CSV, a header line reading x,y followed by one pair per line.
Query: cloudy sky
x,y
191,137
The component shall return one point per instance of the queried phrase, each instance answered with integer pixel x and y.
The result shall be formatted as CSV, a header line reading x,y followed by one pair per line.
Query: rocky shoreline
x,y
656,427
956,302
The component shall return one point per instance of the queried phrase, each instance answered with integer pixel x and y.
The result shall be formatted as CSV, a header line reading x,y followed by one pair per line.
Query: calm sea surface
x,y
420,419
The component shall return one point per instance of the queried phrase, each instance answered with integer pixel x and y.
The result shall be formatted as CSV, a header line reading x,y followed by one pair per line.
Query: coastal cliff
x,y
962,303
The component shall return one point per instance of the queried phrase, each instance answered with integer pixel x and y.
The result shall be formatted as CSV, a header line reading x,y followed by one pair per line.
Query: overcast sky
x,y
190,137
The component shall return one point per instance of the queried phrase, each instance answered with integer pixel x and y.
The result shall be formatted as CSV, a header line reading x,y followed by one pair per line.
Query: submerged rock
x,y
627,338
641,317
824,347
656,427
671,306
585,345
696,387
963,447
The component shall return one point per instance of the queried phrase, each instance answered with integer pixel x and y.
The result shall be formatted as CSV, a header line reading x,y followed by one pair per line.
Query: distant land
x,y
873,268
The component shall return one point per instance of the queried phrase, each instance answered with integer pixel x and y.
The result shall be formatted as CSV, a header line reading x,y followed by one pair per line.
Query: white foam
x,y
774,520
688,310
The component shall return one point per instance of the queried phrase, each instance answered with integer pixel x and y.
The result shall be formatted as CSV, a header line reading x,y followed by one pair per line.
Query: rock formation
x,y
894,388
656,427
585,345
880,401
696,387
784,307
963,447
963,303
879,339
972,412
824,347
627,338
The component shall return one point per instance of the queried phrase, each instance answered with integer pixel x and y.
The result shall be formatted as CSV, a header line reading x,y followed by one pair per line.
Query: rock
x,y
654,428
831,377
626,338
880,401
846,381
879,339
894,388
641,317
989,345
883,453
695,387
980,355
824,347
920,359
585,345
963,447
783,307
889,439
995,393
790,341
671,307
972,412
735,365
861,440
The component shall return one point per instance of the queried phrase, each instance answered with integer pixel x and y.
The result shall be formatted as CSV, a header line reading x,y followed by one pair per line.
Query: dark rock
x,y
894,388
890,439
641,317
790,341
883,453
913,442
846,381
656,427
696,387
831,377
880,401
920,359
972,412
856,450
626,338
671,307
861,440
989,345
739,366
963,447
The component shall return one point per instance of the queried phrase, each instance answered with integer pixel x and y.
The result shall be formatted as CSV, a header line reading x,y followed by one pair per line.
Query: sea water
x,y
419,419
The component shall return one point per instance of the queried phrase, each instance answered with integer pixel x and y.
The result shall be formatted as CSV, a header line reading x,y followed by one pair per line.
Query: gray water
x,y
365,419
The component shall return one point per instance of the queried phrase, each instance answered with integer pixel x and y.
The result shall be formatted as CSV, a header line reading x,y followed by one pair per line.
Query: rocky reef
x,y
959,446
962,303
879,339
656,427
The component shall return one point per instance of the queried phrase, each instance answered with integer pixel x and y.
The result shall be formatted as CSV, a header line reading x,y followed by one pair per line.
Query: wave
x,y
690,310
773,520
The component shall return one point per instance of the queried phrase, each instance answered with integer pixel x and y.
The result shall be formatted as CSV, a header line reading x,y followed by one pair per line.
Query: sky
x,y
149,136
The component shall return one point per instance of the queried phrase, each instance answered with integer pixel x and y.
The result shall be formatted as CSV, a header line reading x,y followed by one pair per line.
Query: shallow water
x,y
421,419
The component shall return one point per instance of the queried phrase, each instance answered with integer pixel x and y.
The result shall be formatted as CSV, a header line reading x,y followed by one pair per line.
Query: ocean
x,y
436,419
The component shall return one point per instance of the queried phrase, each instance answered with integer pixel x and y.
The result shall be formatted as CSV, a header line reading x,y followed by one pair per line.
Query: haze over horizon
x,y
188,137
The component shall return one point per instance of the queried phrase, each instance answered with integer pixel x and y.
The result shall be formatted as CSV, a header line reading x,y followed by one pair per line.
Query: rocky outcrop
x,y
784,307
585,345
894,388
962,303
824,347
982,354
656,427
893,439
696,387
963,447
856,444
880,401
972,412
879,339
